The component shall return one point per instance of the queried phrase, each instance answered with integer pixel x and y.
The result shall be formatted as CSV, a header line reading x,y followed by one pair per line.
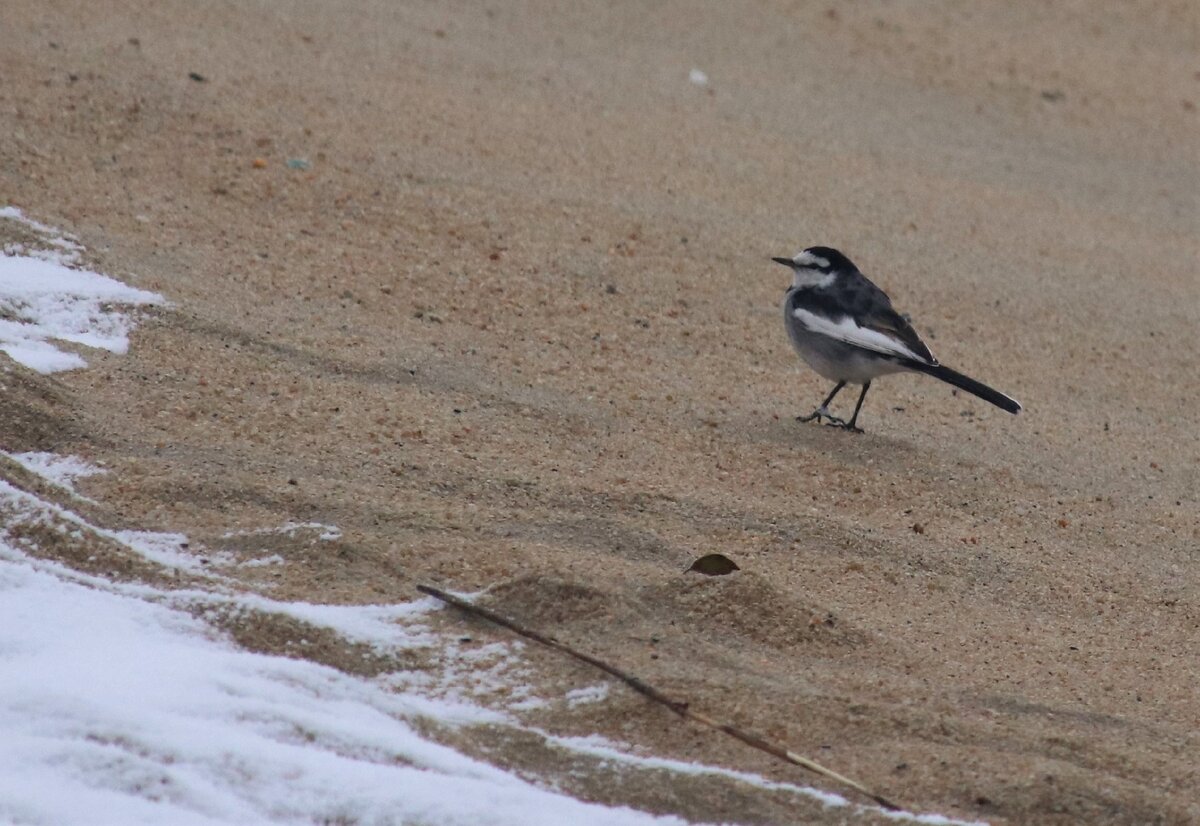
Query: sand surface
x,y
515,327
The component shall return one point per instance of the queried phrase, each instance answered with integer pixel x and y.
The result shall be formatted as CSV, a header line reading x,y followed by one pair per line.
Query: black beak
x,y
787,262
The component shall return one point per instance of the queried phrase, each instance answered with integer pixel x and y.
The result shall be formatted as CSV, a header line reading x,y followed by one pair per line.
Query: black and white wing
x,y
861,315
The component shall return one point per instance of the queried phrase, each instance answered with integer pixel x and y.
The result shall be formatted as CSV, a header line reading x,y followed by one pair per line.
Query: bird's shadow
x,y
874,446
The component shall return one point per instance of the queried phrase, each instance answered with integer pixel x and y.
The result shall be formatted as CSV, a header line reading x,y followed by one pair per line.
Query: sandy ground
x,y
515,327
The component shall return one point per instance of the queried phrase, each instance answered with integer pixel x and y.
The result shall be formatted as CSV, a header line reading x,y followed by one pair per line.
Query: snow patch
x,y
262,561
588,694
57,470
19,507
170,550
115,704
325,533
45,296
601,747
60,248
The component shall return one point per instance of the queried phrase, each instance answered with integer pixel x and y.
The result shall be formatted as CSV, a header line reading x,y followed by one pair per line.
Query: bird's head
x,y
816,266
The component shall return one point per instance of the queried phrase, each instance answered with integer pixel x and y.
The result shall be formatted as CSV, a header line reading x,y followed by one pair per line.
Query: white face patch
x,y
807,259
811,278
848,332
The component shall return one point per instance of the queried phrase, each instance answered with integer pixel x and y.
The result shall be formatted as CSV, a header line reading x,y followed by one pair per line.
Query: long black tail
x,y
940,371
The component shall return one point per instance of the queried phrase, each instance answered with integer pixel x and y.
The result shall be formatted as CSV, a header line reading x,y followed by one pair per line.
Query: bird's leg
x,y
850,425
822,412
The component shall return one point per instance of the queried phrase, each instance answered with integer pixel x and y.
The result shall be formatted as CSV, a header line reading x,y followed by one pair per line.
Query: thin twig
x,y
646,690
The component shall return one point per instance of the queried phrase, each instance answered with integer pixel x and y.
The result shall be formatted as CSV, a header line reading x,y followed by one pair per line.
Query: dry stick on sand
x,y
680,708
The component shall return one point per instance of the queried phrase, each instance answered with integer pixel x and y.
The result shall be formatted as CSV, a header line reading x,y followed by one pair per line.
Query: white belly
x,y
851,366
836,360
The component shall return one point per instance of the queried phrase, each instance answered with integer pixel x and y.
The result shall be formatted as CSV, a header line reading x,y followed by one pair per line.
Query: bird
x,y
845,328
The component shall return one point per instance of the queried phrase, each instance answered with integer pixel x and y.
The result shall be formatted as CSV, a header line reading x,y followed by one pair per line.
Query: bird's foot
x,y
822,413
849,426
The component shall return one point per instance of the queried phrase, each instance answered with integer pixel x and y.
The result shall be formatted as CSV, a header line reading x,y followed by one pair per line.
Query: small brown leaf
x,y
714,565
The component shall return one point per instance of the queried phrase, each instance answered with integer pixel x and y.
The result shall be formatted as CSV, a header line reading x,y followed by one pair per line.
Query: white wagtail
x,y
845,328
